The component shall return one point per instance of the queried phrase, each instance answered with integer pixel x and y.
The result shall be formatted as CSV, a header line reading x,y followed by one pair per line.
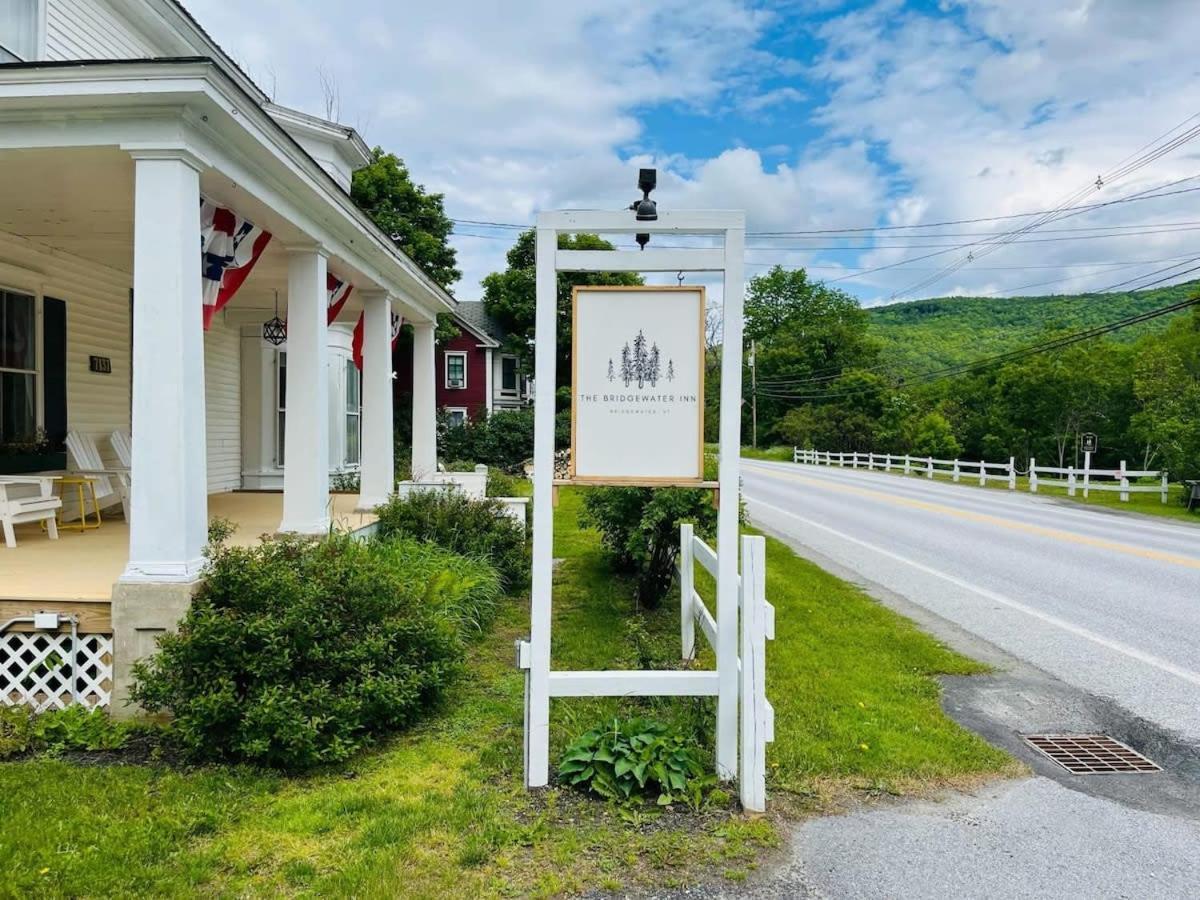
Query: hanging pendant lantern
x,y
275,329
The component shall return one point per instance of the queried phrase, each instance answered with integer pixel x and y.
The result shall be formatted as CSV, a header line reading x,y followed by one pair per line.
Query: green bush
x,y
296,653
476,528
636,759
503,439
74,728
639,528
501,484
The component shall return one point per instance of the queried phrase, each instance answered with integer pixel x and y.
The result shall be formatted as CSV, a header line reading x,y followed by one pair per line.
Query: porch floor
x,y
84,567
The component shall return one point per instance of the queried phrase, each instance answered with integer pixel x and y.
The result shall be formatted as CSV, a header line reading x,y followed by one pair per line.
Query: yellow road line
x,y
987,519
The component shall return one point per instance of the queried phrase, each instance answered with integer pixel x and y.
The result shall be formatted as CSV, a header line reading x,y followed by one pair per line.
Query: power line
x,y
1088,207
1064,209
953,246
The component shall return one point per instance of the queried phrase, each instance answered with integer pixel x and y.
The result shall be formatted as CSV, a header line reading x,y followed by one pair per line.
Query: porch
x,y
83,567
121,319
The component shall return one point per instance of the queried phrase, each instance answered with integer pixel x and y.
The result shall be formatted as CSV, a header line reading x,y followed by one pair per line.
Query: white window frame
x,y
515,391
452,410
39,37
461,354
39,370
280,409
353,376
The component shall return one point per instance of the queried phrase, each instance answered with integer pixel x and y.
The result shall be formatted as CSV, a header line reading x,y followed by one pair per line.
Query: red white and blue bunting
x,y
356,342
229,248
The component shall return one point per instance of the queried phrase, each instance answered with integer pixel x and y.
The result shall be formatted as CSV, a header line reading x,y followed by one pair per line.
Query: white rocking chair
x,y
27,498
111,483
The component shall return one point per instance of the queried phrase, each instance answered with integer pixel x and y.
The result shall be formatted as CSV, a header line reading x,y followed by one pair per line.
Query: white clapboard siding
x,y
223,407
97,299
92,29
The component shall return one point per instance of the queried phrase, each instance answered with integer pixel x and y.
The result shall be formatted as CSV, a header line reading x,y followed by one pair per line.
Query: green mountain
x,y
925,335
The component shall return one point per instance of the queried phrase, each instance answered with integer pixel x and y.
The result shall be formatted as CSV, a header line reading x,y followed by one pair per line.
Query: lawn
x,y
441,810
1147,504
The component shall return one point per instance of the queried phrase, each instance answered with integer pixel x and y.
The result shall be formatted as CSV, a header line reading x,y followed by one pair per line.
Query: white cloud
x,y
989,107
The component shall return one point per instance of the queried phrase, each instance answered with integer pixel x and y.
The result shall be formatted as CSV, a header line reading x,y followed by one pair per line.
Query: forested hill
x,y
924,335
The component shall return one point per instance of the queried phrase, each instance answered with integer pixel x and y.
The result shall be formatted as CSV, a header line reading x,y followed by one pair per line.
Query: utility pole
x,y
753,398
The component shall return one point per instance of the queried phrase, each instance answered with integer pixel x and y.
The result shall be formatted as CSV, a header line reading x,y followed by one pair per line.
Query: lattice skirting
x,y
39,669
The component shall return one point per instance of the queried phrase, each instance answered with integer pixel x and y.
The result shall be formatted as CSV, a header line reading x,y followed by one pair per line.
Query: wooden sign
x,y
637,385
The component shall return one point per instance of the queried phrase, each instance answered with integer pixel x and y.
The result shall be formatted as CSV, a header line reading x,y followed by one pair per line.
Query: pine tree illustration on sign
x,y
611,375
641,364
640,359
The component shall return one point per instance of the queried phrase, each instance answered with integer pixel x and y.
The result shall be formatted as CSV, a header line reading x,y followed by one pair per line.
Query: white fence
x,y
757,727
1073,479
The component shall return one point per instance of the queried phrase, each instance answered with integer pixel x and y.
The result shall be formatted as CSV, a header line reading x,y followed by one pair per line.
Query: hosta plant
x,y
636,759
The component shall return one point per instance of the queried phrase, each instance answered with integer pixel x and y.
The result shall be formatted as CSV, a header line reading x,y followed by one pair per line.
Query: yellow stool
x,y
81,484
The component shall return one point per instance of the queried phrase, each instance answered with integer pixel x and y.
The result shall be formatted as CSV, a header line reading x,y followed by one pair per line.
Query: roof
x,y
472,314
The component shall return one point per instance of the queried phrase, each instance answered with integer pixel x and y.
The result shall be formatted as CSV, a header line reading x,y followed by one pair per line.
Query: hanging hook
x,y
679,277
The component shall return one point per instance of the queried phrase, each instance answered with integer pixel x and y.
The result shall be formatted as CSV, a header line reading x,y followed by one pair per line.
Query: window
x,y
509,378
456,416
456,370
353,414
19,21
18,365
280,404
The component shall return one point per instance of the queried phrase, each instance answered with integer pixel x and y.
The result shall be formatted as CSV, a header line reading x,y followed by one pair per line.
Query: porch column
x,y
306,421
168,483
378,474
424,402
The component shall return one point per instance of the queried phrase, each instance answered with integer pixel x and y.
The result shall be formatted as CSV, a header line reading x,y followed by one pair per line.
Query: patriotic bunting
x,y
356,342
339,293
229,248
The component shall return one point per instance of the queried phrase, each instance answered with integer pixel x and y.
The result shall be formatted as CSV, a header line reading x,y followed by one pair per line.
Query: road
x,y
1108,603
1092,619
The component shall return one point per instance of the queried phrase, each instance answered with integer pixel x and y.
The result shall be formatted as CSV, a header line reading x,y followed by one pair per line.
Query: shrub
x,y
296,653
636,759
74,728
639,528
345,482
476,528
16,730
501,484
503,439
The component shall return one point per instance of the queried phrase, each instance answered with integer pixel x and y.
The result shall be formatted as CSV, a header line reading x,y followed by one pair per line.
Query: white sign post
x,y
541,682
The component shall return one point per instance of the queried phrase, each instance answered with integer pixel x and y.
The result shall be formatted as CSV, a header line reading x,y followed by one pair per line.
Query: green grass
x,y
441,811
774,454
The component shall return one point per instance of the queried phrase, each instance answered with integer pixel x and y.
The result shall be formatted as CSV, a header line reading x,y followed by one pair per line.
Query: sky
x,y
807,114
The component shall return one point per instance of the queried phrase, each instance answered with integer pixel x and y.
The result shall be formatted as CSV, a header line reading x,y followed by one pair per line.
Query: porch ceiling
x,y
80,200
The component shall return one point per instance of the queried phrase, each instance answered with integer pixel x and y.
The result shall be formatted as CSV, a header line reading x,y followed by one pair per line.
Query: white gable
x,y
93,29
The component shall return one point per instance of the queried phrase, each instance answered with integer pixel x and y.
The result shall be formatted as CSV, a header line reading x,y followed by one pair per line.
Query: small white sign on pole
x,y
637,391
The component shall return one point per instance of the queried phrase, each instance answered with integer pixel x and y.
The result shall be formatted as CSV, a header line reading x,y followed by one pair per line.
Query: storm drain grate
x,y
1091,754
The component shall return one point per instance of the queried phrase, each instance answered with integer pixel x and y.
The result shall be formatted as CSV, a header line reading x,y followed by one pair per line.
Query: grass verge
x,y
441,810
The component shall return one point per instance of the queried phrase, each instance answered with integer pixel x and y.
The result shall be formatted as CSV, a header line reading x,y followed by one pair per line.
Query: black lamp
x,y
275,329
645,210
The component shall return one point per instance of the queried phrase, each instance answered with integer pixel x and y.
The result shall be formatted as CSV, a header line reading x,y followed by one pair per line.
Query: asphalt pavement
x,y
1092,619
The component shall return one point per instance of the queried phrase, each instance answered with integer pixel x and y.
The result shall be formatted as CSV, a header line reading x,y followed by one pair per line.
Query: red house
x,y
474,376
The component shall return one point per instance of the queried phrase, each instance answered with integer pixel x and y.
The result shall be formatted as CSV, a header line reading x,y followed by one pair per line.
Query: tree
x,y
1166,384
412,217
511,299
802,331
933,436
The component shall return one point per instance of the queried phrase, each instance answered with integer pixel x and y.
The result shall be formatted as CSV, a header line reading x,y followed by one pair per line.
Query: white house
x,y
117,119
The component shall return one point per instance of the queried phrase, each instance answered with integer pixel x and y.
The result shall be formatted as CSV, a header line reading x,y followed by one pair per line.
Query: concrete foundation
x,y
141,613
